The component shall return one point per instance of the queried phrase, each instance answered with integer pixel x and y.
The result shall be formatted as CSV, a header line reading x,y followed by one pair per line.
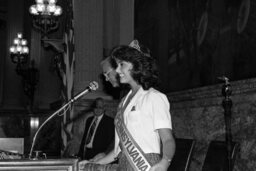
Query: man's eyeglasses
x,y
106,74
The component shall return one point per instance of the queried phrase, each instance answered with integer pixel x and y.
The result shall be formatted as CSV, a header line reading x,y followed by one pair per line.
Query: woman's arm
x,y
110,157
169,146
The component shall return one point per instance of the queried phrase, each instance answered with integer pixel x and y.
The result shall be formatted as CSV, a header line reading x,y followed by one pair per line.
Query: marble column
x,y
88,18
98,24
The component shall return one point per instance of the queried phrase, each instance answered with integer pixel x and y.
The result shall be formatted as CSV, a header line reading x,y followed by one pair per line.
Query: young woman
x,y
143,138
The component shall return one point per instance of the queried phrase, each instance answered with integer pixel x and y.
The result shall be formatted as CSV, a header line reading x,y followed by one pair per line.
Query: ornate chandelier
x,y
19,50
30,75
45,15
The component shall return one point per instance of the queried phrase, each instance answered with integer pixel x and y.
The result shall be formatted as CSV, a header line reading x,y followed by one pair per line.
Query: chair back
x,y
182,157
216,156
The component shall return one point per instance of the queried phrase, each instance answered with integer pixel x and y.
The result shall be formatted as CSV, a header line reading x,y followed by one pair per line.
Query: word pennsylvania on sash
x,y
131,150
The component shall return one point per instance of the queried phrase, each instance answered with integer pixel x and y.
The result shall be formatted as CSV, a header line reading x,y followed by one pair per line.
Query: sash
x,y
131,149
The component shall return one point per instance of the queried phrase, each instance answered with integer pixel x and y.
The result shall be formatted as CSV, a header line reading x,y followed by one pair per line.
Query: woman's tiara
x,y
135,44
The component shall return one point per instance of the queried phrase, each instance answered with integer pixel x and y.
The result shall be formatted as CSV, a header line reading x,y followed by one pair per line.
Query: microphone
x,y
92,86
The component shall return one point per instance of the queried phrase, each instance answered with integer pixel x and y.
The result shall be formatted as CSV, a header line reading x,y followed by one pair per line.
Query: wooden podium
x,y
39,165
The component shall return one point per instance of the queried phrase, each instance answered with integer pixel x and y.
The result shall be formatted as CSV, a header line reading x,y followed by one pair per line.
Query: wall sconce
x,y
30,75
45,15
34,123
19,51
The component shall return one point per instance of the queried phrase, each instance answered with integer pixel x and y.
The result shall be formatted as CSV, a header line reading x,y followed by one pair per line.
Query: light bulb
x,y
19,35
33,10
51,8
25,50
40,7
52,1
19,48
58,11
12,49
39,1
23,42
16,41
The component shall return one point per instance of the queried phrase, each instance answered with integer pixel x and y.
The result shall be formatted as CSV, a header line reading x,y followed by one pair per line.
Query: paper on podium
x,y
86,165
15,145
82,164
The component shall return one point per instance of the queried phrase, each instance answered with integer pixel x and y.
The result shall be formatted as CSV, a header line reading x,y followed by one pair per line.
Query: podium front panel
x,y
39,165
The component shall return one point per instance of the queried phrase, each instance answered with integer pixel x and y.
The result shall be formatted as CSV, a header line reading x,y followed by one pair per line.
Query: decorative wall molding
x,y
211,95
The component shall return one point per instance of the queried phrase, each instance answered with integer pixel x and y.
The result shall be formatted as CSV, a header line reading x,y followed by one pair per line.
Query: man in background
x,y
98,133
102,135
108,69
108,66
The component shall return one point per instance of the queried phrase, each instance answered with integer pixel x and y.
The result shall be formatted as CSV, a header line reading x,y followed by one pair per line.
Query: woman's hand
x,y
168,150
82,164
97,157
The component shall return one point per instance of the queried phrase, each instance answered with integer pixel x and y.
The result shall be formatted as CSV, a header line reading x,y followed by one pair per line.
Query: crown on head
x,y
135,44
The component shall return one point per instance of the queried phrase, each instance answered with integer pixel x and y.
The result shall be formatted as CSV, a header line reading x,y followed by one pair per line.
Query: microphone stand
x,y
49,118
227,104
52,115
93,86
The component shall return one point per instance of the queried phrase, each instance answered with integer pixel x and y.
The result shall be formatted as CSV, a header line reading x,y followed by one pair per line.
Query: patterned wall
x,y
198,114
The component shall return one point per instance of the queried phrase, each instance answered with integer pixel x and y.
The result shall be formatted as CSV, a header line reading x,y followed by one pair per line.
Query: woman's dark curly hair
x,y
144,70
